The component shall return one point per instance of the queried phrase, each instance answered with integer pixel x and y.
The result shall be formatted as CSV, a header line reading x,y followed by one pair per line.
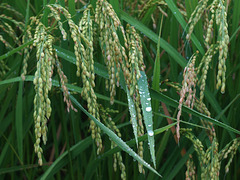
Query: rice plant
x,y
106,89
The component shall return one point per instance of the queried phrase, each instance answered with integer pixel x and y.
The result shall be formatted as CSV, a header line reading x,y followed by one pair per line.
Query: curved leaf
x,y
92,165
115,138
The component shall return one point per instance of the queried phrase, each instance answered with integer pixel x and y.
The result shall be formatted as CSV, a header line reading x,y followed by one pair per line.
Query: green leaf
x,y
227,107
62,160
133,114
167,100
72,9
56,84
157,72
147,112
111,134
116,6
9,53
19,122
115,138
147,16
155,95
183,23
154,37
92,166
70,57
173,53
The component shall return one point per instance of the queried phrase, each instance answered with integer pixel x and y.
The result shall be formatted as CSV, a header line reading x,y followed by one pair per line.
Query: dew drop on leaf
x,y
150,133
148,109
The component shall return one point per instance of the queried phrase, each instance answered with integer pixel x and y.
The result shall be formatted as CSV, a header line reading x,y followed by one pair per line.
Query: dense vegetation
x,y
138,89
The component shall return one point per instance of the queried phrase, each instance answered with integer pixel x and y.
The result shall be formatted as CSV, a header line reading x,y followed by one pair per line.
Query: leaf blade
x,y
115,138
133,114
147,112
18,120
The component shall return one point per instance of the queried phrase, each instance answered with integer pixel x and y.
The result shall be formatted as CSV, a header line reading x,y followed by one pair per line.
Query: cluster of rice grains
x,y
217,13
209,163
3,69
46,60
114,50
210,160
117,157
120,54
6,23
82,36
188,90
42,82
188,93
191,169
86,63
136,64
6,28
114,53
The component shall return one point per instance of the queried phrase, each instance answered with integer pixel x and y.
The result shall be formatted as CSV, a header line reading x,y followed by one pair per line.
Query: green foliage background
x,y
166,51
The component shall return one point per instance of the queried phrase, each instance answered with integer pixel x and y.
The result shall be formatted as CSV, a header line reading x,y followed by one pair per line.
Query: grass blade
x,y
174,54
167,100
227,107
9,53
63,159
154,37
19,122
72,9
56,84
155,95
92,166
157,72
147,112
183,23
133,114
115,138
70,57
116,6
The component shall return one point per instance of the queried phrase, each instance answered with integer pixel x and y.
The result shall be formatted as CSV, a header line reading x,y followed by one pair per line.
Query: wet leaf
x,y
147,112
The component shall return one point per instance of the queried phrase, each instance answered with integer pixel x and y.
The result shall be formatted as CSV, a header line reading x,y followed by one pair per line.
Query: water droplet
x,y
150,133
148,109
149,125
149,99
